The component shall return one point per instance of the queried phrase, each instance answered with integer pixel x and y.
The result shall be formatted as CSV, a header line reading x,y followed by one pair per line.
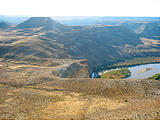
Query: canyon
x,y
45,69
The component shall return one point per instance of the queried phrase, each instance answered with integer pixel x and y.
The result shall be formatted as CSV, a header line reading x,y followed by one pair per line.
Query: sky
x,y
80,7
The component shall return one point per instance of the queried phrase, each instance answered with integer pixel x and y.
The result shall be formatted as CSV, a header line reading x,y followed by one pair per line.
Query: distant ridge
x,y
4,24
45,23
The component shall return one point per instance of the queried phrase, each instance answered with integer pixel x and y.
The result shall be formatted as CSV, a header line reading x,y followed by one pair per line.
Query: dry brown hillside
x,y
35,91
40,38
82,99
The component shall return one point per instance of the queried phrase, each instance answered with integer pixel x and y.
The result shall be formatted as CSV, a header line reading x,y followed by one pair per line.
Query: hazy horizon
x,y
68,16
113,8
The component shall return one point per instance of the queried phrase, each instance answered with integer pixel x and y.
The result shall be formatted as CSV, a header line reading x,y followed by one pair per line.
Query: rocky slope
x,y
74,70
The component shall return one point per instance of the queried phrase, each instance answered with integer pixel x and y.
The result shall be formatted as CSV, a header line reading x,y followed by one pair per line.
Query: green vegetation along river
x,y
139,71
117,74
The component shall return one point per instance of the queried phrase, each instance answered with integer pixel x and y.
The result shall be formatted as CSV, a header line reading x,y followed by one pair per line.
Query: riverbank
x,y
127,63
135,62
156,76
117,74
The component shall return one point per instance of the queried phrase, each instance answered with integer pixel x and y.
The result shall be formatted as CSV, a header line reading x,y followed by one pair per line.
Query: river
x,y
139,71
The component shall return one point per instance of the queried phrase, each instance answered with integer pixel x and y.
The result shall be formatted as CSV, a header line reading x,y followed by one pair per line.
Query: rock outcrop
x,y
74,70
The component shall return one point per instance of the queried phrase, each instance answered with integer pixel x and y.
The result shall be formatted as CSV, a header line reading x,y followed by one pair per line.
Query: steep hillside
x,y
28,39
99,44
144,29
20,44
42,38
44,23
147,27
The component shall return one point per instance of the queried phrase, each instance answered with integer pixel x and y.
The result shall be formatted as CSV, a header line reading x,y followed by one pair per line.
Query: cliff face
x,y
74,70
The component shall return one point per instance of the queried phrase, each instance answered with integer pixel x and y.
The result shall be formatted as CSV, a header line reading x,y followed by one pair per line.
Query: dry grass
x,y
79,99
35,102
25,103
36,94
